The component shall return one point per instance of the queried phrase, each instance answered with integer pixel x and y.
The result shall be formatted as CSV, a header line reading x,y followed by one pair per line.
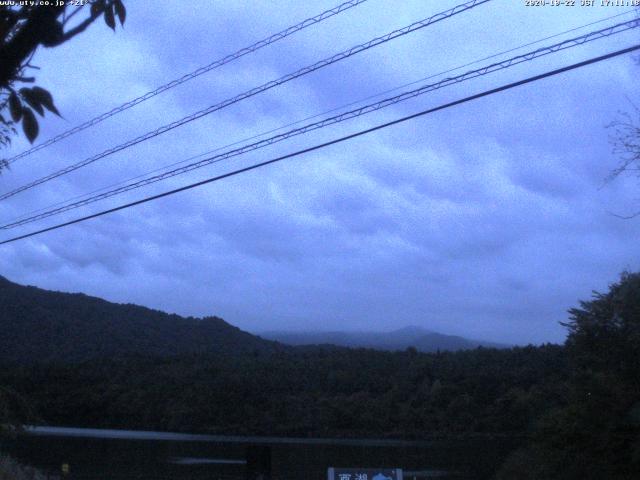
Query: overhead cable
x,y
372,107
189,76
311,117
274,83
331,142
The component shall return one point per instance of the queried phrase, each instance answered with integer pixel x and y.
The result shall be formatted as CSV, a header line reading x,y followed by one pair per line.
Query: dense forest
x,y
320,392
576,407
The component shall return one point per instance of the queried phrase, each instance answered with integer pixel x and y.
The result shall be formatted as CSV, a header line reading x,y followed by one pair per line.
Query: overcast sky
x,y
488,220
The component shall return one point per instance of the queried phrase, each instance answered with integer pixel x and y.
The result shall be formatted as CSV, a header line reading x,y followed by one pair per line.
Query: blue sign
x,y
334,473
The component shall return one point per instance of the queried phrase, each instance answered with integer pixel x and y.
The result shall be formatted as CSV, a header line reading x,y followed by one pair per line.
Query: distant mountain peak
x,y
400,339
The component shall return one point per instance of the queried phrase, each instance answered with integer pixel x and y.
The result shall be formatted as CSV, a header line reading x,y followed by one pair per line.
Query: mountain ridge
x,y
38,325
45,326
422,339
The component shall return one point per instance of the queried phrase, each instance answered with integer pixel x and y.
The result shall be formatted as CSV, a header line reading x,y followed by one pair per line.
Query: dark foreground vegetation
x,y
12,470
323,392
595,433
577,405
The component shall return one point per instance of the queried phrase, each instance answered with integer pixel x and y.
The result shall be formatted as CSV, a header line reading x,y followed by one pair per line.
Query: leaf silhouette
x,y
29,124
32,100
120,11
45,98
109,18
15,107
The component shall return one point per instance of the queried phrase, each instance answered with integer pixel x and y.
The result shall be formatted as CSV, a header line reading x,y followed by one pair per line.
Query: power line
x,y
333,142
274,83
326,112
196,73
494,67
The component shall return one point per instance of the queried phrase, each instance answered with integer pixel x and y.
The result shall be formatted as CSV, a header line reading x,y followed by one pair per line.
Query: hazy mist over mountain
x,y
421,338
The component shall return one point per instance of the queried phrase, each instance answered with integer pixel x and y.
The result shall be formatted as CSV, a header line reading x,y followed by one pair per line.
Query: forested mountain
x,y
413,336
45,326
578,404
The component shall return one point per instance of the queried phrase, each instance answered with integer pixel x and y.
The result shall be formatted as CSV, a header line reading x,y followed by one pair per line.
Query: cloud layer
x,y
489,219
